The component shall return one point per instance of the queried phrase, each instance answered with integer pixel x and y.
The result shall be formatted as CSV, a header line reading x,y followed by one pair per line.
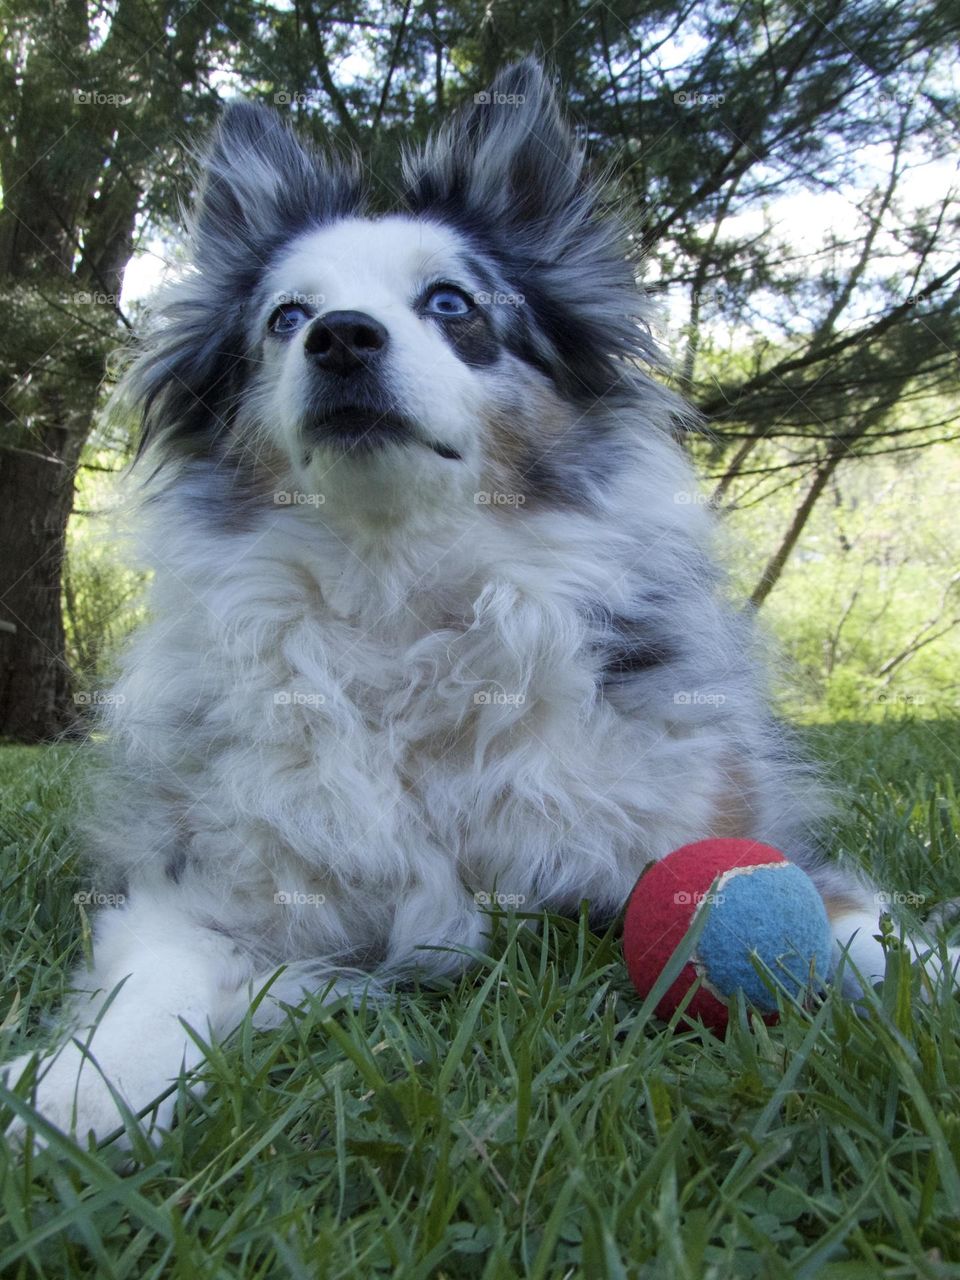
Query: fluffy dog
x,y
434,616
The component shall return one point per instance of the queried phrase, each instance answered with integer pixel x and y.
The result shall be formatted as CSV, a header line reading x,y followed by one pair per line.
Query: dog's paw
x,y
71,1093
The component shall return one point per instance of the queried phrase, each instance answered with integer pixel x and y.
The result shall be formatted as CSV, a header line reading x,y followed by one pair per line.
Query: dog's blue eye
x,y
288,318
447,301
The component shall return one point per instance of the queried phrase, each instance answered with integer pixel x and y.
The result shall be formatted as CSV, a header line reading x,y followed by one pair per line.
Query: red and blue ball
x,y
758,904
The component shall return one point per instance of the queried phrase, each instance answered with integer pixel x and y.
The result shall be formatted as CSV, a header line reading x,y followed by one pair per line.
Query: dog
x,y
435,618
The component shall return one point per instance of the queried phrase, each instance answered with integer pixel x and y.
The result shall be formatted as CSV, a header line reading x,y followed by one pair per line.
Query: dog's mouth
x,y
360,430
363,431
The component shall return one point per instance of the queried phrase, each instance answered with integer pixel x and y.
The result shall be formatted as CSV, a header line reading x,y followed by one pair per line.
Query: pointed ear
x,y
259,185
509,157
510,173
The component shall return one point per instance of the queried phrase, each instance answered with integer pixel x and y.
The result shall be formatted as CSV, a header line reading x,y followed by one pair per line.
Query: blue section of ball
x,y
775,911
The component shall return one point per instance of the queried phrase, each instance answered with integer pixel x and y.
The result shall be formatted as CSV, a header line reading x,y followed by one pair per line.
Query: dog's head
x,y
476,336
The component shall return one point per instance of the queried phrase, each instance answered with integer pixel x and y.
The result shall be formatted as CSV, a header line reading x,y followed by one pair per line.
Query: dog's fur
x,y
436,627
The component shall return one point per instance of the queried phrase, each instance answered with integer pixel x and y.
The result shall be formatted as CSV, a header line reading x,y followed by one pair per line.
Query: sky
x,y
804,220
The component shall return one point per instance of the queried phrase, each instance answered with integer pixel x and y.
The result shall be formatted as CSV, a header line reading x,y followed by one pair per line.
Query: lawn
x,y
530,1120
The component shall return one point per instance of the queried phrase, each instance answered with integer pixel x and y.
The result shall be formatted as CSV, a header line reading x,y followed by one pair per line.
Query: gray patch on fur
x,y
512,179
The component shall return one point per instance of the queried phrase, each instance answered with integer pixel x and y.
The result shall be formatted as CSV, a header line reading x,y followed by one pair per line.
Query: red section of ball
x,y
661,909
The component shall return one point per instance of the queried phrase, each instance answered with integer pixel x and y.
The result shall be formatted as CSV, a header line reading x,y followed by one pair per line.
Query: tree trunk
x,y
77,167
841,448
36,495
776,563
48,396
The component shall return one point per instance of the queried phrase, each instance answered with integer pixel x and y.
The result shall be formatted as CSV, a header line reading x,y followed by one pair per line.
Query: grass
x,y
531,1120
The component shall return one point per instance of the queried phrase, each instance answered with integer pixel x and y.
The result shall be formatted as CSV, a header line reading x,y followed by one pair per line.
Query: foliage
x,y
717,119
867,613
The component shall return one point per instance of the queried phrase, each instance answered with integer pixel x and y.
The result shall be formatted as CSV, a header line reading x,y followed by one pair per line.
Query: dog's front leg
x,y
155,969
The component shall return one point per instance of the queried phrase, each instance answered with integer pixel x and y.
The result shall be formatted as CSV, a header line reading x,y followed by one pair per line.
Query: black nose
x,y
342,341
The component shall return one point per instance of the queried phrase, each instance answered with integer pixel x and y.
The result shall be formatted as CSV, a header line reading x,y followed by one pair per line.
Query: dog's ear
x,y
510,172
509,158
259,185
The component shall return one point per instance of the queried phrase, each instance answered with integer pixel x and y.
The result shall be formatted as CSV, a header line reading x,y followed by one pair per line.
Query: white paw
x,y
863,955
72,1094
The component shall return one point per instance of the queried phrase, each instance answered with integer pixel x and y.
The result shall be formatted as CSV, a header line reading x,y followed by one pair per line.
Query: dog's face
x,y
476,338
378,336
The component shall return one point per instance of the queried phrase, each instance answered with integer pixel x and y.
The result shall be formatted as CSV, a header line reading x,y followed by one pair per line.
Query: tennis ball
x,y
759,904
